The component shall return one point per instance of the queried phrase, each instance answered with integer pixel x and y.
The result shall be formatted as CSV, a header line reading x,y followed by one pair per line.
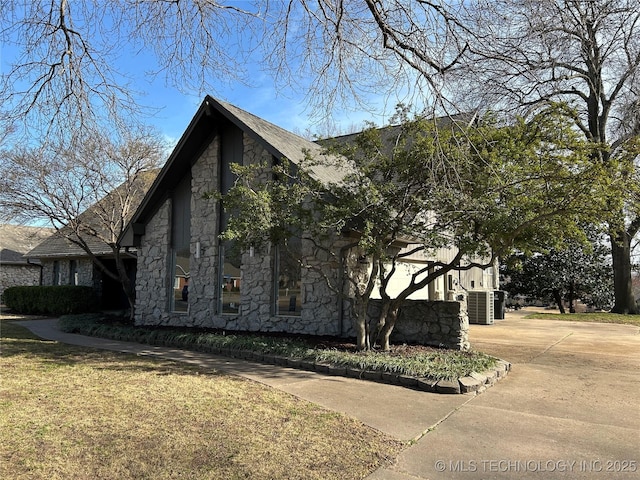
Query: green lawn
x,y
601,317
72,413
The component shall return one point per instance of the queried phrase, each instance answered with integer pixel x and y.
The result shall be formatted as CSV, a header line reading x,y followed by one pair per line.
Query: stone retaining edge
x,y
474,384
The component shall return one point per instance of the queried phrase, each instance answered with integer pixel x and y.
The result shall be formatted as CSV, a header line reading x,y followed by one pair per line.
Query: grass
x,y
425,362
601,317
70,412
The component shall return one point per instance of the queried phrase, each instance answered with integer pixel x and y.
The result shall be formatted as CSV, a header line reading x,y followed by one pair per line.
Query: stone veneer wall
x,y
152,302
435,323
85,270
323,313
320,307
205,213
18,275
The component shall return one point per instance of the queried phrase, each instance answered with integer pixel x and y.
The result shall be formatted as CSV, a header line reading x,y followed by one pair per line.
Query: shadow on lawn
x,y
16,340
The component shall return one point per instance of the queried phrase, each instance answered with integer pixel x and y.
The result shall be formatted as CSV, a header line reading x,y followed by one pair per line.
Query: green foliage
x,y
480,189
50,300
530,182
436,364
575,270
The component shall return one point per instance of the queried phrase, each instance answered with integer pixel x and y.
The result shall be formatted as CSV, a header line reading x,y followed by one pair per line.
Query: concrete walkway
x,y
569,408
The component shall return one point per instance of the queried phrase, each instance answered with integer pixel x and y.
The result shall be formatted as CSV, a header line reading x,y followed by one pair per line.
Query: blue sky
x,y
287,107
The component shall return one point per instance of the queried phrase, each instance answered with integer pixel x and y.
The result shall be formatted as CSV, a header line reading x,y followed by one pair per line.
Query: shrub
x,y
50,300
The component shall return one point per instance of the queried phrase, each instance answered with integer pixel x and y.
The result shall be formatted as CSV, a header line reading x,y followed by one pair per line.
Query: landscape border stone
x,y
473,384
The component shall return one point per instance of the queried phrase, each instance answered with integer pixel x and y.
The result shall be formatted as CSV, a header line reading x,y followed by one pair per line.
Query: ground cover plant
x,y
71,412
601,317
411,360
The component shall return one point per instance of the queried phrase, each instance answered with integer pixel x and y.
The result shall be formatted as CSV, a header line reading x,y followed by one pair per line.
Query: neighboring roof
x,y
58,245
211,115
16,240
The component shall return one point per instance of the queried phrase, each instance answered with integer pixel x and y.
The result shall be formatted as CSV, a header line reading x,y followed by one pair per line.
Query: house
x,y
80,252
15,268
176,235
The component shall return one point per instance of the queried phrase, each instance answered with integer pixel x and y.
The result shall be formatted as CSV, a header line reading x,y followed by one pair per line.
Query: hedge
x,y
50,300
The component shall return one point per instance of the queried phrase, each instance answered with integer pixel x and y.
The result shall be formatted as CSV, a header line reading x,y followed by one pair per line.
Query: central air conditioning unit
x,y
480,307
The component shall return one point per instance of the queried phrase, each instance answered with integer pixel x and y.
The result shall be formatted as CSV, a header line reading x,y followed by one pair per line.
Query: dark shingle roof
x,y
210,115
16,240
59,245
277,141
283,144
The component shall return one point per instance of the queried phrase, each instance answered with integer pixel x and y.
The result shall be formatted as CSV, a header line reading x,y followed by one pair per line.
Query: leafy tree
x,y
478,190
585,53
573,271
86,190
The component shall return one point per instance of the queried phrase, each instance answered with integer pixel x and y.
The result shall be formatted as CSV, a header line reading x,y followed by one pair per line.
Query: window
x,y
180,245
56,273
230,278
73,272
288,275
181,281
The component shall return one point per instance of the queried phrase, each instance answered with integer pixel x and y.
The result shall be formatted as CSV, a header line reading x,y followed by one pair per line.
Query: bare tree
x,y
69,69
585,54
86,190
340,51
70,72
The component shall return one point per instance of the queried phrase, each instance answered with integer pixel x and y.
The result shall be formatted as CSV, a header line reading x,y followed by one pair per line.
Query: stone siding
x,y
435,323
87,276
18,275
205,245
323,311
152,279
320,306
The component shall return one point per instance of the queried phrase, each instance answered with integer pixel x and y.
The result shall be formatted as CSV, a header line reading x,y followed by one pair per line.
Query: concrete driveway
x,y
570,408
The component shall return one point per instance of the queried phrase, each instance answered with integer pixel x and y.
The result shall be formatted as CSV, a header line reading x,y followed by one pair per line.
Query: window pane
x,y
230,278
181,271
180,240
289,293
73,272
56,272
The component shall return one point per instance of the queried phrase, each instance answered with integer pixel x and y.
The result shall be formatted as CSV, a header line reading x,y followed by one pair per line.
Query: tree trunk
x,y
127,286
622,286
131,298
572,307
558,298
374,333
360,324
361,334
385,333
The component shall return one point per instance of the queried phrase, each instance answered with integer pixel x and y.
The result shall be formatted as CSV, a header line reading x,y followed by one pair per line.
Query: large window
x,y
229,278
180,245
288,275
